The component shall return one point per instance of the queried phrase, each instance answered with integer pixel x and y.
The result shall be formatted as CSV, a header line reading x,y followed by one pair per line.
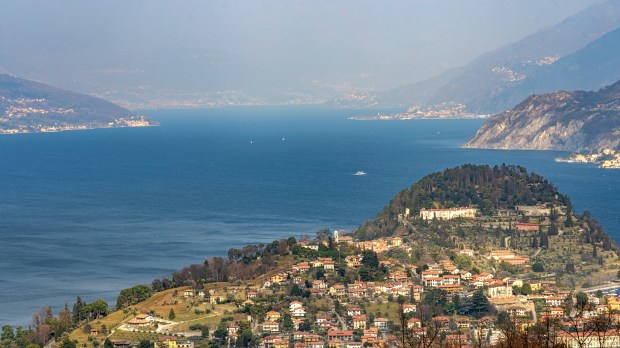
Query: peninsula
x,y
473,256
31,107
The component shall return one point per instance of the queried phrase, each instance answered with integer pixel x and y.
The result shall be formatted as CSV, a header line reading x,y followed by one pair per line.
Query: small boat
x,y
360,173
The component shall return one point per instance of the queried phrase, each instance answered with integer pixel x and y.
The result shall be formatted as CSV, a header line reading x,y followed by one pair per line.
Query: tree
x,y
370,259
538,267
67,343
77,310
479,304
287,322
145,344
553,230
7,333
569,219
296,290
570,268
107,343
132,296
171,314
582,300
526,289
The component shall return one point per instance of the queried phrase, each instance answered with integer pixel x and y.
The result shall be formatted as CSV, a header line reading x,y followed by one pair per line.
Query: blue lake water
x,y
89,213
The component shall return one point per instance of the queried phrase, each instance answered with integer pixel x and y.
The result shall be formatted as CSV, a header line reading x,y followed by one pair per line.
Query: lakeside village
x,y
442,111
606,158
336,291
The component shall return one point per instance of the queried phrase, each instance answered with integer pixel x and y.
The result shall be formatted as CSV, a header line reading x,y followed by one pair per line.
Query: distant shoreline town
x,y
437,112
606,158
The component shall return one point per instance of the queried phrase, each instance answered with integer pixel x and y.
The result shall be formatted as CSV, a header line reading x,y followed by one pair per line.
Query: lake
x,y
92,212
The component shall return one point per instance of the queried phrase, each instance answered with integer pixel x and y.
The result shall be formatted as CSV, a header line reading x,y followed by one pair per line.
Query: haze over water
x,y
89,213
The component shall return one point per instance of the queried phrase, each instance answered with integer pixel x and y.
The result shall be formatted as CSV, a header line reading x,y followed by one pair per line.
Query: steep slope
x,y
28,106
567,121
485,85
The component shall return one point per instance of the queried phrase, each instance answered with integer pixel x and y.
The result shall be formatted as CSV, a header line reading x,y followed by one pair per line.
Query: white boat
x,y
360,173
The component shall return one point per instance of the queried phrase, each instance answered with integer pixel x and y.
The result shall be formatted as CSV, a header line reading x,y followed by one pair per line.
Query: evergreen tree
x,y
145,344
107,343
171,314
479,304
553,229
569,219
77,310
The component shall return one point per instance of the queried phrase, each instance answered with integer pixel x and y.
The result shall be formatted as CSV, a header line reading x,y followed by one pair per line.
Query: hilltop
x,y
27,106
565,121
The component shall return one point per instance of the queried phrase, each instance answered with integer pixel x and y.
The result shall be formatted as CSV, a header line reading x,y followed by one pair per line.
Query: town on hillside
x,y
338,291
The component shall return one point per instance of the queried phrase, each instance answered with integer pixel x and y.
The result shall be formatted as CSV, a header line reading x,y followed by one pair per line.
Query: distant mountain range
x,y
28,106
567,121
582,52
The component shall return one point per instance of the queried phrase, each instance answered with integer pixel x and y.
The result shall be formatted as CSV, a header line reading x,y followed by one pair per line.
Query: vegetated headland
x,y
471,256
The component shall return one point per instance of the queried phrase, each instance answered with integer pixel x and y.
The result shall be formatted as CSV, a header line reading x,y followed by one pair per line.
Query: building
x,y
447,214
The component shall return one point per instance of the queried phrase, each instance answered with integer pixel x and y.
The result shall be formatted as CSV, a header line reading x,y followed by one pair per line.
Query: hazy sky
x,y
259,45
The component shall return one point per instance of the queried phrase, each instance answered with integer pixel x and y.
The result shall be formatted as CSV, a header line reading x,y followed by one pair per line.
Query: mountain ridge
x,y
486,84
564,121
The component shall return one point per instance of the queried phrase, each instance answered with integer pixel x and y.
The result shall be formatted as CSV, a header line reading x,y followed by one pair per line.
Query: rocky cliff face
x,y
566,121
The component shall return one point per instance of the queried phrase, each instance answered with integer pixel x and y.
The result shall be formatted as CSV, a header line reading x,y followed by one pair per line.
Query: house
x,y
430,274
432,282
602,339
166,342
145,317
554,301
556,312
319,284
329,265
398,276
516,311
273,315
465,275
271,327
359,322
466,252
354,311
381,324
338,290
344,335
298,312
294,305
409,308
136,323
498,290
185,344
451,279
447,214
414,323
188,293
278,278
233,328
353,261
417,292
